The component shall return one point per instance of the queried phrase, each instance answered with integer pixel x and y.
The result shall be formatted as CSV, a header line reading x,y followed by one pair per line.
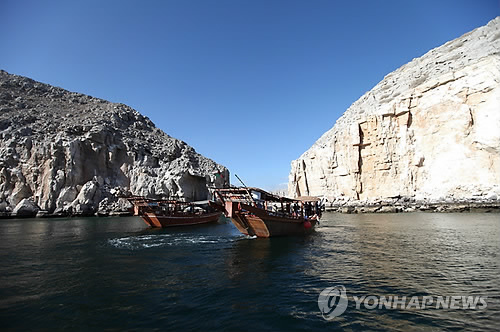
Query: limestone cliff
x,y
429,131
65,152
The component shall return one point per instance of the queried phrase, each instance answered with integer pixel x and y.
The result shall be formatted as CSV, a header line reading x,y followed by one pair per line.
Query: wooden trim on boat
x,y
154,220
168,213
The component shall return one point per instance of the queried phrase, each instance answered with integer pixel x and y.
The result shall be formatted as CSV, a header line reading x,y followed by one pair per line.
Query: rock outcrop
x,y
428,132
66,153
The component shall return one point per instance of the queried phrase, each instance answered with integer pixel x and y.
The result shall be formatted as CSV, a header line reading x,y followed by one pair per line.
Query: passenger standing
x,y
295,209
318,208
308,209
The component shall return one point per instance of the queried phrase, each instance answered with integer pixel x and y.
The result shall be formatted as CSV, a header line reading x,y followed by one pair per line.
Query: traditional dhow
x,y
256,212
168,213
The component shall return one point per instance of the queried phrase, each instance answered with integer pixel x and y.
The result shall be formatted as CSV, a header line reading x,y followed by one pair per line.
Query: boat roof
x,y
308,199
145,200
245,191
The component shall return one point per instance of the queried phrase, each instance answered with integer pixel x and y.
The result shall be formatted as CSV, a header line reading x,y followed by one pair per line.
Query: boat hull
x,y
253,221
157,221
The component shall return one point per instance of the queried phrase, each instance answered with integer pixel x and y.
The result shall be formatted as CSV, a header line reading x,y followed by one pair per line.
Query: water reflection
x,y
259,256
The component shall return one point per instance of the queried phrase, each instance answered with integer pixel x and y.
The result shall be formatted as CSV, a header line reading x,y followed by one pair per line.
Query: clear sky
x,y
251,84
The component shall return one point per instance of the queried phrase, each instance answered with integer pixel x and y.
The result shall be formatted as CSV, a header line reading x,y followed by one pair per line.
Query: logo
x,y
332,302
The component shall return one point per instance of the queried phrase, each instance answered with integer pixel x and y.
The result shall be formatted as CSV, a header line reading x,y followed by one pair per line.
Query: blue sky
x,y
250,84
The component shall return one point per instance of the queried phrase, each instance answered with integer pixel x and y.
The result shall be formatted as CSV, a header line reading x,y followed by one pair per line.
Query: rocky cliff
x,y
67,153
428,132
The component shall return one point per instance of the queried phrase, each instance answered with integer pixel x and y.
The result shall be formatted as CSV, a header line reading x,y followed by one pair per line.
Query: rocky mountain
x,y
67,153
428,132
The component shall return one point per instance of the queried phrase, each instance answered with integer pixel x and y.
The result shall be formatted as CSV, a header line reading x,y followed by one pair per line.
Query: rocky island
x,y
426,137
65,153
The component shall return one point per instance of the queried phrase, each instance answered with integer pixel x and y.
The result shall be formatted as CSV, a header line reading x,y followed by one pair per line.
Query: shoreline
x,y
451,207
45,214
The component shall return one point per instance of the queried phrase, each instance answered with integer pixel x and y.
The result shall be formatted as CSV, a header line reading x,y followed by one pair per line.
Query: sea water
x,y
116,273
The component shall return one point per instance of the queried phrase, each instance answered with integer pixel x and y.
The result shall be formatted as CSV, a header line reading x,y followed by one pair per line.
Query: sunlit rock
x,y
428,131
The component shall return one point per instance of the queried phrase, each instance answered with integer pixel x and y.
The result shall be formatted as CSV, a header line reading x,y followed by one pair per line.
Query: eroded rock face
x,y
73,153
26,208
428,131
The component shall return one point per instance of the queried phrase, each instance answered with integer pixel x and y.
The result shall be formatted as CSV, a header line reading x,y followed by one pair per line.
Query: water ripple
x,y
163,240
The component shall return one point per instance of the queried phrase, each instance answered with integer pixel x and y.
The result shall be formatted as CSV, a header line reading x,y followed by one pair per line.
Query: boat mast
x,y
246,188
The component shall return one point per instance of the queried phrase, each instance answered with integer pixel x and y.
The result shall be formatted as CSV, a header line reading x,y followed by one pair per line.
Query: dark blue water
x,y
115,273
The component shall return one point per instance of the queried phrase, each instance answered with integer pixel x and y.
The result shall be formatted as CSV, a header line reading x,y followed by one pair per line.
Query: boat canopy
x,y
308,199
242,193
143,201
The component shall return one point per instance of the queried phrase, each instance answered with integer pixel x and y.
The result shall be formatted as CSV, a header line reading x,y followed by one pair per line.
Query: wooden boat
x,y
168,213
256,212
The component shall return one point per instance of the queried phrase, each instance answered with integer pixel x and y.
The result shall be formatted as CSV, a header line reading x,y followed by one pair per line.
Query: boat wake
x,y
164,240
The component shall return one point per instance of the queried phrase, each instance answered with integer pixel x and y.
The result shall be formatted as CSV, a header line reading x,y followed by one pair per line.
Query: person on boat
x,y
307,209
318,208
295,209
